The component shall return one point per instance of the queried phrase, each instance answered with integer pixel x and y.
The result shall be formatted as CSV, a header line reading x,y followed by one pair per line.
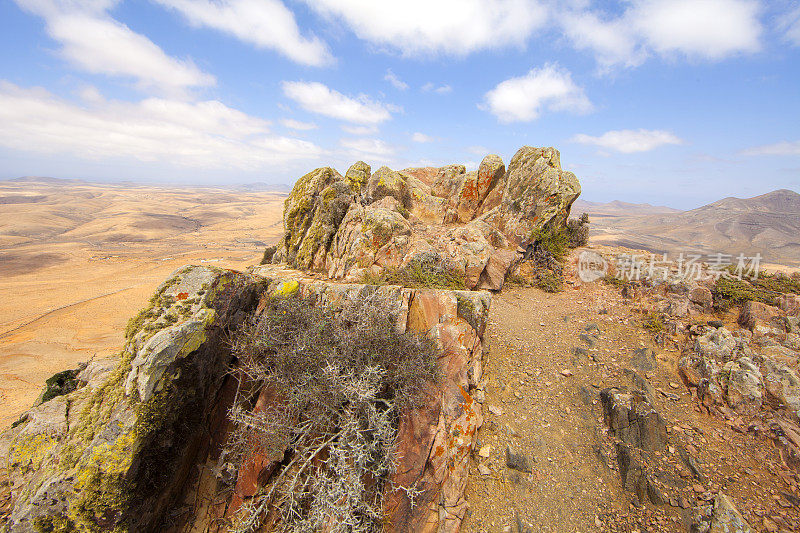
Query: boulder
x,y
368,235
718,344
387,182
753,314
477,187
782,385
311,216
744,386
726,518
702,297
357,176
491,178
789,304
536,193
633,419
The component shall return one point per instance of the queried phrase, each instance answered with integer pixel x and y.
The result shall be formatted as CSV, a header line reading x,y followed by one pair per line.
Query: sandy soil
x,y
78,260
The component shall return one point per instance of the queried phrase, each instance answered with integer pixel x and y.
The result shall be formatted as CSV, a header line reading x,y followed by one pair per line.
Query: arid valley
x,y
77,260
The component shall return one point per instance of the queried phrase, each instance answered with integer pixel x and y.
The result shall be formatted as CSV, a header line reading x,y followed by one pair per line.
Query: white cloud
x,y
93,41
781,148
392,78
298,125
201,134
478,150
318,98
630,141
368,148
450,27
789,24
422,138
360,130
522,99
704,29
266,24
441,89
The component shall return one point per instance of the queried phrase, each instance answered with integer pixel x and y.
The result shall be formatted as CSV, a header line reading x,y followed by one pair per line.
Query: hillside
x,y
768,224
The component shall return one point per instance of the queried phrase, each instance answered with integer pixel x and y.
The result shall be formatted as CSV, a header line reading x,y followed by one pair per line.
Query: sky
x,y
670,102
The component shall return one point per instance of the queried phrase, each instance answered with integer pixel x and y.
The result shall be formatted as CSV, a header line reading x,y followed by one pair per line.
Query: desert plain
x,y
77,260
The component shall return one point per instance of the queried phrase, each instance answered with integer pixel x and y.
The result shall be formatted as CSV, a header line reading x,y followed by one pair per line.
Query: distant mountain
x,y
619,208
768,224
45,179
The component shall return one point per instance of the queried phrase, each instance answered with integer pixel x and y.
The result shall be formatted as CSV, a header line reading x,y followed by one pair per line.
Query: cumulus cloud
x,y
781,148
94,42
204,134
266,24
448,27
392,78
298,125
630,141
368,148
319,98
523,99
701,29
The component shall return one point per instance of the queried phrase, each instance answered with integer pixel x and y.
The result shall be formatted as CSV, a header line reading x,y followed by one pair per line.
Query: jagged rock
x,y
368,235
387,182
781,354
449,181
754,314
726,518
123,461
635,475
633,419
792,324
424,206
491,178
718,343
357,176
782,386
536,192
744,385
477,186
702,297
494,275
311,216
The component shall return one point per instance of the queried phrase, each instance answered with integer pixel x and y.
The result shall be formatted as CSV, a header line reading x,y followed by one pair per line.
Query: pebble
x,y
484,470
485,452
566,372
496,411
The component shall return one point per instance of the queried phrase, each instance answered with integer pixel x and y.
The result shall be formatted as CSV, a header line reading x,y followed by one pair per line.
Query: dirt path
x,y
542,400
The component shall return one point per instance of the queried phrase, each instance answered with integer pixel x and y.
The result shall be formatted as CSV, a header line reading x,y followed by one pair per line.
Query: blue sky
x,y
675,102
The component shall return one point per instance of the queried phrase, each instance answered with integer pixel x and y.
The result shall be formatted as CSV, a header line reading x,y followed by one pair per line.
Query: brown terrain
x,y
768,224
77,260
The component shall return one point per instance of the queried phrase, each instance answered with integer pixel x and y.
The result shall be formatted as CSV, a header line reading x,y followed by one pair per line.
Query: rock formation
x,y
143,437
369,223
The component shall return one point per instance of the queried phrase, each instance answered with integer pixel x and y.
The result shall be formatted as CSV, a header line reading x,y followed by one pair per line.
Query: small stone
x,y
485,452
566,372
674,385
517,461
496,411
484,470
698,488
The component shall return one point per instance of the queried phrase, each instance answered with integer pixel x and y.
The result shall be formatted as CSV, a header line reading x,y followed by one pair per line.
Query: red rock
x,y
754,314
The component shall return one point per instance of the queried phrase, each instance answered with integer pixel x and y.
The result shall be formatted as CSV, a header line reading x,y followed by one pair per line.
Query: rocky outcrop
x,y
118,457
473,221
536,192
146,434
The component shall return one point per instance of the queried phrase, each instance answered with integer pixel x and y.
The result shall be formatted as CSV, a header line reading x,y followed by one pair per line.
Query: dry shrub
x,y
340,378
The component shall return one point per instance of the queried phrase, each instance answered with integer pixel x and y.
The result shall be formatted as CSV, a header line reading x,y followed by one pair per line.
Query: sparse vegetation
x,y
269,252
730,292
423,272
342,377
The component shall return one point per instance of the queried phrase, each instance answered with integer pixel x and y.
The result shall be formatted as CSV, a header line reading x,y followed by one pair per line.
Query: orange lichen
x,y
182,296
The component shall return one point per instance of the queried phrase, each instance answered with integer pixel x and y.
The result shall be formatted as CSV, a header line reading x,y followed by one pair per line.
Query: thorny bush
x,y
338,378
